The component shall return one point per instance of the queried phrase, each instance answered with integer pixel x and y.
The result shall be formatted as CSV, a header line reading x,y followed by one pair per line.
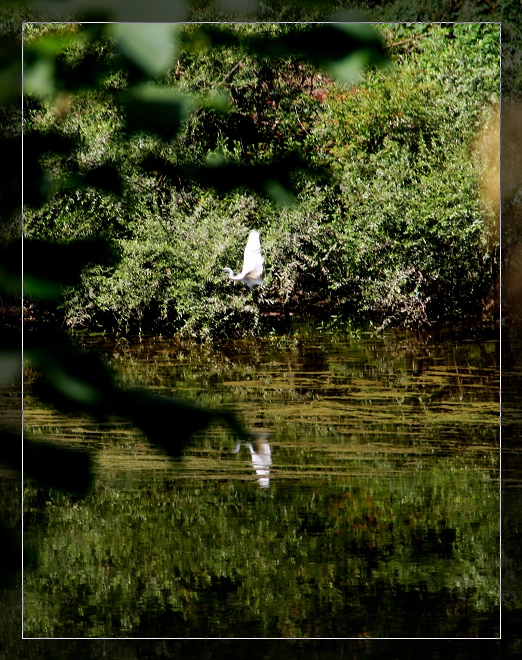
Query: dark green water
x,y
367,504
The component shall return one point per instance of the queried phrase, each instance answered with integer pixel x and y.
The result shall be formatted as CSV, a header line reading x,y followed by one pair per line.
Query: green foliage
x,y
170,273
411,212
388,227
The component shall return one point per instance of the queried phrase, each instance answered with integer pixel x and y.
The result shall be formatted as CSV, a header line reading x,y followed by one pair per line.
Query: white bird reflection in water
x,y
261,456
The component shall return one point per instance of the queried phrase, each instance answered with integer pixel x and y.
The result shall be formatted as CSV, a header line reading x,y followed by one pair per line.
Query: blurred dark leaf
x,y
10,364
59,467
49,267
341,49
246,6
39,186
47,463
10,187
170,423
47,72
269,179
155,109
104,177
113,10
36,145
36,183
78,381
150,46
10,69
70,378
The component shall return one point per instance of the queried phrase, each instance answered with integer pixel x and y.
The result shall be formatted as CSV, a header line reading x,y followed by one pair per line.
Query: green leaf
x,y
58,467
329,46
150,46
10,367
42,289
155,109
50,267
278,193
348,69
39,78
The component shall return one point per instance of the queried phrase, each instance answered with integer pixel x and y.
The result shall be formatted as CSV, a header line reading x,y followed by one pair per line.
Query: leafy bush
x,y
388,228
410,206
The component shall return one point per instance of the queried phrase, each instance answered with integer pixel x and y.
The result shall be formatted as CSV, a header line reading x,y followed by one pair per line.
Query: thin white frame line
x,y
338,22
273,639
262,23
22,323
500,337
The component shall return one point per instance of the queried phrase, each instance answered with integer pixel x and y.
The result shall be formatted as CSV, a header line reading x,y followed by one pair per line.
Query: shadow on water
x,y
365,505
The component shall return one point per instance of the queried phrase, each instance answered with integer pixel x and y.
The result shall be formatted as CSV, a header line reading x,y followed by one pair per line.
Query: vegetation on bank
x,y
366,194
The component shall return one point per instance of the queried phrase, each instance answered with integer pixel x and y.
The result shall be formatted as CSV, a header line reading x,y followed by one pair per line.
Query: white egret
x,y
252,262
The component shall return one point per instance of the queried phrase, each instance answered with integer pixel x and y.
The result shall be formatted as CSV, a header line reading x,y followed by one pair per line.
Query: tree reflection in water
x,y
376,516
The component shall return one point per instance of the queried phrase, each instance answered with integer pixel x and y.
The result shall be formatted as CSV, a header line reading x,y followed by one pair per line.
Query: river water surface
x,y
366,503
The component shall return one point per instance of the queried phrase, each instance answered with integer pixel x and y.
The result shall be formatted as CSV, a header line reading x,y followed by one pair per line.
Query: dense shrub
x,y
388,230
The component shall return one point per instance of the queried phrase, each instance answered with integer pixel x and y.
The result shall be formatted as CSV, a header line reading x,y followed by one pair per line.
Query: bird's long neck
x,y
231,274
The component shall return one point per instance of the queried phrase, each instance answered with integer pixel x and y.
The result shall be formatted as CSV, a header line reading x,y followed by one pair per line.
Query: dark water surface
x,y
366,504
